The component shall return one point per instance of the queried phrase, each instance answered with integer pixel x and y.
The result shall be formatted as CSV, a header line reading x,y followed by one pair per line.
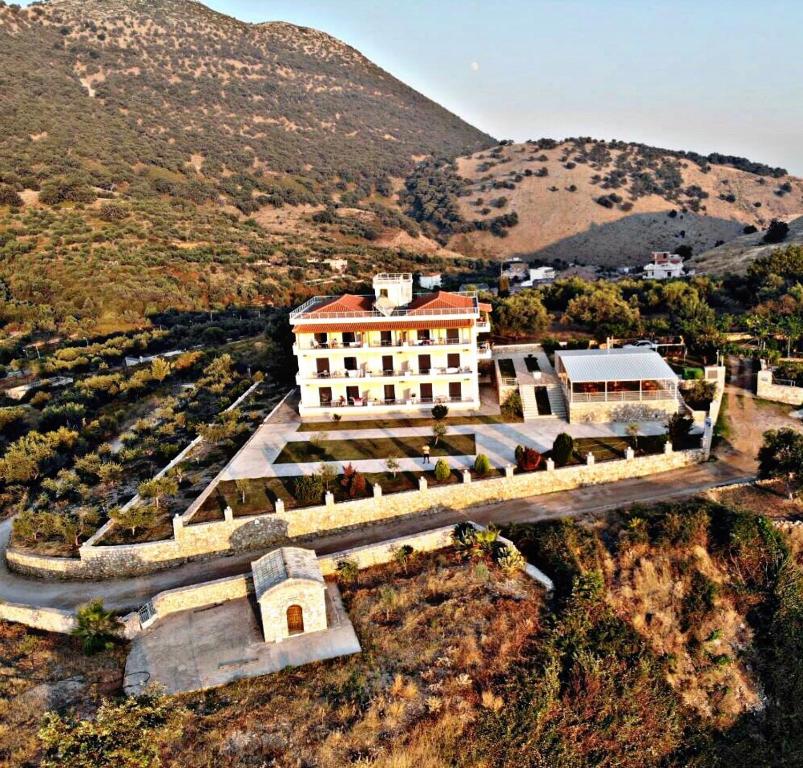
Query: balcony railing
x,y
359,403
385,373
383,344
620,397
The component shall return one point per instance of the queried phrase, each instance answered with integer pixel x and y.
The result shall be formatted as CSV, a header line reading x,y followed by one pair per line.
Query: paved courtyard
x,y
206,647
497,441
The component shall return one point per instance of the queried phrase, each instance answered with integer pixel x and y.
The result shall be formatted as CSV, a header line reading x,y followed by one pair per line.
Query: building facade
x,y
605,385
664,266
390,351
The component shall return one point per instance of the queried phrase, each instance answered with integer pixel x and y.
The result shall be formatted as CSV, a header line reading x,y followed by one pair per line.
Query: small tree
x,y
96,627
242,486
308,489
389,599
348,571
158,487
438,431
328,475
135,517
440,411
403,555
482,465
442,471
678,427
781,456
562,449
392,464
633,429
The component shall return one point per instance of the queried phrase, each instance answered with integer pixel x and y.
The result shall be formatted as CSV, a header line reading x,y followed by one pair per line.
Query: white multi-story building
x,y
665,265
392,351
431,281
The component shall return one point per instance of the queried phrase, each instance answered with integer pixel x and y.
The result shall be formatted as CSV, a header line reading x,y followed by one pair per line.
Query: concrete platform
x,y
215,645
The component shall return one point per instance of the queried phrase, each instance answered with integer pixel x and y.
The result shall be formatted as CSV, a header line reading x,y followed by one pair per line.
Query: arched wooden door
x,y
295,620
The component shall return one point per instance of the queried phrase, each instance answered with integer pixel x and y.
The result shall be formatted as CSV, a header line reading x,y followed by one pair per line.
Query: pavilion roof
x,y
588,365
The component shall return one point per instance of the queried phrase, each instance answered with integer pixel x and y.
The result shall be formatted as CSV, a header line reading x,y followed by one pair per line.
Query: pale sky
x,y
703,75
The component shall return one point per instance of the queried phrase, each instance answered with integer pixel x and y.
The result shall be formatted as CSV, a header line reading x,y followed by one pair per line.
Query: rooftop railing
x,y
367,314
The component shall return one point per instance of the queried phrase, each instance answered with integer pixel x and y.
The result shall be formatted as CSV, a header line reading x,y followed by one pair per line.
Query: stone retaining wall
x,y
47,619
262,531
199,595
778,393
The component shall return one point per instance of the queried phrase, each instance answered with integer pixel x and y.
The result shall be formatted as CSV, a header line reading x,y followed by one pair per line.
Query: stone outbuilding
x,y
291,593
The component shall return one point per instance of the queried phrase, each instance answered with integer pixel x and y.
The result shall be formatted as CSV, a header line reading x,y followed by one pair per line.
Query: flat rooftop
x,y
588,365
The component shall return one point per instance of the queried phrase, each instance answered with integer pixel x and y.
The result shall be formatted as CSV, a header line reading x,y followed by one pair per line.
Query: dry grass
x,y
435,643
30,661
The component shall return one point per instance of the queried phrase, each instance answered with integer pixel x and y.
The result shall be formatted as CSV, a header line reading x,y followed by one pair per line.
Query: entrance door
x,y
352,394
322,339
455,391
390,394
387,364
424,363
295,620
426,393
350,363
322,366
386,339
453,335
325,394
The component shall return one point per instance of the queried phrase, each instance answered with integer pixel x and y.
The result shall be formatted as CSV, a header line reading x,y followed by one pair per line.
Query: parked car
x,y
642,344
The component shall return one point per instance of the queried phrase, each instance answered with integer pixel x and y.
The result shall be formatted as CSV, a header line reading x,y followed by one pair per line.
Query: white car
x,y
642,344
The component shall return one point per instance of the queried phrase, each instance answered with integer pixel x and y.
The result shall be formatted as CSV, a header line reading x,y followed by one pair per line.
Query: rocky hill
x,y
737,255
611,203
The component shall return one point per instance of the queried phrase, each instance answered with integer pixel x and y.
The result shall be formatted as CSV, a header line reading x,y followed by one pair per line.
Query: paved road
x,y
128,594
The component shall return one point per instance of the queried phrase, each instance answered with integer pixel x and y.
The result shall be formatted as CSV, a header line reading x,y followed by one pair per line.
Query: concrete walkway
x,y
128,594
222,643
497,441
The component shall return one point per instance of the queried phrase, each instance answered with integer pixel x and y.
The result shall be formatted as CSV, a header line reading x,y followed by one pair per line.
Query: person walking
x,y
425,451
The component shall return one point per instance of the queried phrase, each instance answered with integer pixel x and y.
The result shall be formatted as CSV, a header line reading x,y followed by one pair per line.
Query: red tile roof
x,y
348,302
440,300
484,306
390,325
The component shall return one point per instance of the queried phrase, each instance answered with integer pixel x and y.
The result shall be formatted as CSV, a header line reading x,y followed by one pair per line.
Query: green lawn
x,y
405,423
376,448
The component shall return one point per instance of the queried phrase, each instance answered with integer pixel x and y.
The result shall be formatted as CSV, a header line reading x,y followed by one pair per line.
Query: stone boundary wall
x,y
200,595
47,619
221,537
777,393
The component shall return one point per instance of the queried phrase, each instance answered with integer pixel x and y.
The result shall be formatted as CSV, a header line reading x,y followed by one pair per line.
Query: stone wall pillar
x,y
377,491
630,454
466,476
228,513
279,506
668,448
550,465
178,527
329,499
509,470
590,459
422,483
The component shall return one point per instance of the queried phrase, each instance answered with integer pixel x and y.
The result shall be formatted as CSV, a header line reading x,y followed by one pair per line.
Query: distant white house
x,y
337,265
664,265
431,281
515,269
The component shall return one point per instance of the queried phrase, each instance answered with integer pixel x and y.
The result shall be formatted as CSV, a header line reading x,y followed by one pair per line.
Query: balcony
x,y
391,344
359,405
344,375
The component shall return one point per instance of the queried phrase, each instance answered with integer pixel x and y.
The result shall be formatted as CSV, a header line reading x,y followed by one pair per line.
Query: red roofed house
x,y
388,352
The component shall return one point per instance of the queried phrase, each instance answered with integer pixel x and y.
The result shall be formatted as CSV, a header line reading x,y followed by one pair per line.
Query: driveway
x,y
128,594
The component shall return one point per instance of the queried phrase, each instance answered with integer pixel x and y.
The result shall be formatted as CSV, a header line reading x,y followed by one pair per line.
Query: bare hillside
x,y
611,204
737,255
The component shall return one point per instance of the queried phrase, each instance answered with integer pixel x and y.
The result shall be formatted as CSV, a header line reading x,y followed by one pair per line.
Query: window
x,y
352,394
386,339
348,338
455,391
452,335
387,364
426,393
390,394
322,367
350,363
295,620
383,293
424,364
325,395
453,360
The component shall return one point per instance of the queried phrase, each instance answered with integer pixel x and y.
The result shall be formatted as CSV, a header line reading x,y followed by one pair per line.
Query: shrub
x,y
347,571
776,232
678,428
96,627
529,460
464,535
440,412
562,449
482,465
308,489
508,558
442,471
9,196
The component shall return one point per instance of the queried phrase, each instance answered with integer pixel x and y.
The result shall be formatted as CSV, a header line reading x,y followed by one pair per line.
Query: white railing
x,y
370,314
361,403
620,397
384,374
346,345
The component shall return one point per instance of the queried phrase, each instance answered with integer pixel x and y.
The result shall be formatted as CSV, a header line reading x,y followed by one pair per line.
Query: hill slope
x,y
612,203
737,255
106,87
158,154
